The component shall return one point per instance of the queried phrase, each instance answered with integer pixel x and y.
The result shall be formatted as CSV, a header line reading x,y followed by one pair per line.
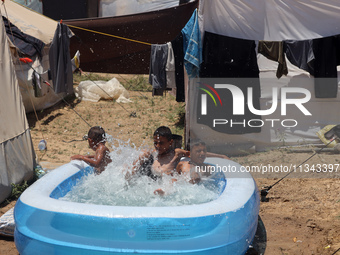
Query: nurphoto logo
x,y
237,106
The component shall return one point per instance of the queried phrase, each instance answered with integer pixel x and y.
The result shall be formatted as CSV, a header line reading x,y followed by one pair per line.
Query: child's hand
x,y
181,153
159,192
75,157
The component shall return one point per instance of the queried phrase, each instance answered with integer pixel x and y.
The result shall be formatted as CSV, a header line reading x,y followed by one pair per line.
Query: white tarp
x,y
16,151
108,8
271,20
95,90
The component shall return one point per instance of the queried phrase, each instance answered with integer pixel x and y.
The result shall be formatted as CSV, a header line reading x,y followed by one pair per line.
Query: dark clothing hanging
x,y
60,60
177,46
227,57
300,54
274,51
326,52
27,44
157,75
36,84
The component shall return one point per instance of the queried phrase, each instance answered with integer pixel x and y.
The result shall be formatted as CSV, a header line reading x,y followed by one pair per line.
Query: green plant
x,y
17,190
138,83
180,112
77,77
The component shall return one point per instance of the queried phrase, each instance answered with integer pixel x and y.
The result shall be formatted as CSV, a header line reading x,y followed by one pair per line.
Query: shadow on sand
x,y
259,244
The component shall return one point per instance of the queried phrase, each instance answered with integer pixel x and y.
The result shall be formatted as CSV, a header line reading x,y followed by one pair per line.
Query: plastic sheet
x,y
95,90
7,224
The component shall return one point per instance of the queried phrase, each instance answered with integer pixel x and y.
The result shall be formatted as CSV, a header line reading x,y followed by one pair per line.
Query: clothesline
x,y
115,36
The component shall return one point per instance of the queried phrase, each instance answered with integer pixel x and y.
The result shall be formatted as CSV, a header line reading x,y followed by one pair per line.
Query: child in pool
x,y
162,160
101,158
195,167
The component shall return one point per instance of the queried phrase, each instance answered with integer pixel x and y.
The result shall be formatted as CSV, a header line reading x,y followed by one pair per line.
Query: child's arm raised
x,y
93,160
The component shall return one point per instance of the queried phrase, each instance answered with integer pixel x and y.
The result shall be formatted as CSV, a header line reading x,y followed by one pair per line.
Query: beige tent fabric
x,y
16,151
12,113
40,27
32,23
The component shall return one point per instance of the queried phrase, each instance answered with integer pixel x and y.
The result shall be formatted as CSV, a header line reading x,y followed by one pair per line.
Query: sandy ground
x,y
301,216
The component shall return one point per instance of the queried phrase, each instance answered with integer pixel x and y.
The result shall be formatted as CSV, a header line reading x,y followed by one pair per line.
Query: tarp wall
x,y
272,21
105,54
16,151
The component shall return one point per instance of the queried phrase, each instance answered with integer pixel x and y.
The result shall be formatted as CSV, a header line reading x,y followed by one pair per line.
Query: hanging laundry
x,y
157,74
36,83
326,52
177,47
192,46
27,45
40,88
75,61
60,60
274,51
170,68
235,59
300,54
225,56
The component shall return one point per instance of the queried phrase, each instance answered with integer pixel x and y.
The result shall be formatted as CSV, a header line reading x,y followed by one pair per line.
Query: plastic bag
x,y
95,90
7,224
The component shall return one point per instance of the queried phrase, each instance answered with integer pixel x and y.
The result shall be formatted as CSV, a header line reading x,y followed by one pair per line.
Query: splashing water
x,y
111,187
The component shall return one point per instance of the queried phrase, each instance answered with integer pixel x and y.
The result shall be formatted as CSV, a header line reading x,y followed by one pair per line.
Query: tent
x,y
16,149
42,28
270,21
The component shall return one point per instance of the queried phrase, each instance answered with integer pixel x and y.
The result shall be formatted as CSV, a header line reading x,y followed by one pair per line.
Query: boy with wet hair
x,y
162,160
195,166
101,158
167,157
198,153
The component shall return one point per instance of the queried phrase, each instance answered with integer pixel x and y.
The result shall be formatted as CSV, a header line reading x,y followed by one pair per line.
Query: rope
x,y
69,105
62,98
115,36
336,251
266,189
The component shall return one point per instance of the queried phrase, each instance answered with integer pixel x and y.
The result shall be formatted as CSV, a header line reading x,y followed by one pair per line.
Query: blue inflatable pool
x,y
46,225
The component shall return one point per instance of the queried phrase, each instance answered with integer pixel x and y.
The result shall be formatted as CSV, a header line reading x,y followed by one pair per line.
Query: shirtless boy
x,y
162,160
101,158
196,166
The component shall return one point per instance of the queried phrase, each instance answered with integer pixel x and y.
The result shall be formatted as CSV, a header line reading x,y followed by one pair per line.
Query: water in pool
x,y
111,187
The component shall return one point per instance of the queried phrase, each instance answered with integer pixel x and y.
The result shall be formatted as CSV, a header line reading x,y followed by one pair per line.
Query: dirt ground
x,y
301,216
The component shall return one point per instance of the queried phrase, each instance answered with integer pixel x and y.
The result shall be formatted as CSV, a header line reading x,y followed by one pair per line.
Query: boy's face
x,y
91,143
162,144
198,154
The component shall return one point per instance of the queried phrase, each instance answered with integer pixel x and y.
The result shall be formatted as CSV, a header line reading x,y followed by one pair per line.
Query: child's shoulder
x,y
183,166
102,147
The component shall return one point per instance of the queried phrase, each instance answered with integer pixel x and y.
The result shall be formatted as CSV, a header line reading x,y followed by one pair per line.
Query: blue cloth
x,y
192,46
